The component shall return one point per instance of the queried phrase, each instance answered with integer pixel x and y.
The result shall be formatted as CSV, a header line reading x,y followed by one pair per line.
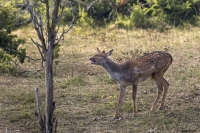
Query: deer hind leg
x,y
158,79
121,95
134,91
166,86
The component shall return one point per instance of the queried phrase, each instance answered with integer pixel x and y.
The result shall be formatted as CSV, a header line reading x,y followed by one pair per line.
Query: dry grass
x,y
86,97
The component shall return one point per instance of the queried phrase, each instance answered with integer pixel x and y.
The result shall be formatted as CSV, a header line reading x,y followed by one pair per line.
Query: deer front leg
x,y
121,95
166,86
134,92
160,90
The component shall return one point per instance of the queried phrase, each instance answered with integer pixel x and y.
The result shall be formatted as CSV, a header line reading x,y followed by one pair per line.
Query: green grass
x,y
86,97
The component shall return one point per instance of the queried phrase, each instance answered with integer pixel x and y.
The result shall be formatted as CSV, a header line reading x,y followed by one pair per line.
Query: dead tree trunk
x,y
47,30
50,105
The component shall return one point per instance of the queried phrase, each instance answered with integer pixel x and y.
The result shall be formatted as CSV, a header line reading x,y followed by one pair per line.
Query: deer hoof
x,y
116,118
161,108
152,109
133,115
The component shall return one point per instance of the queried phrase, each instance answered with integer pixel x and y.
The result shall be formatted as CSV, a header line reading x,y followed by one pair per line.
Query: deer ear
x,y
98,50
110,52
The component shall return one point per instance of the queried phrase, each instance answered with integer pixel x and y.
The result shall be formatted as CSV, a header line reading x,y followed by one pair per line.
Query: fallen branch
x,y
41,121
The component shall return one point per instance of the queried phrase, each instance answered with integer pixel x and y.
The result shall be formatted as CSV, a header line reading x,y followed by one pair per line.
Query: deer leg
x,y
134,92
121,95
160,90
166,86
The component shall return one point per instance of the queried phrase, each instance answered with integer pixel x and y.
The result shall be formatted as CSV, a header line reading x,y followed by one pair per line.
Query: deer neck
x,y
111,67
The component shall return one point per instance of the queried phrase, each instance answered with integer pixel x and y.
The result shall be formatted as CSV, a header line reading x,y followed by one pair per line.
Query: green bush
x,y
124,22
175,12
84,20
137,19
6,62
9,44
67,16
160,14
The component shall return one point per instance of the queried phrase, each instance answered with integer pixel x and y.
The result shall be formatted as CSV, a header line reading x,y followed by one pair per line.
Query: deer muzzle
x,y
92,61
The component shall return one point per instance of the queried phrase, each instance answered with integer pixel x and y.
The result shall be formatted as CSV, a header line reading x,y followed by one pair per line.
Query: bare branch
x,y
11,50
38,25
39,46
55,17
91,4
23,22
41,121
64,32
47,17
36,43
56,125
113,4
32,71
16,64
63,7
59,16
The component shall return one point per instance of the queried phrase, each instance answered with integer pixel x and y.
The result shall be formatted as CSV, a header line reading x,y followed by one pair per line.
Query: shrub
x,y
174,12
9,44
124,22
85,21
5,63
161,13
137,19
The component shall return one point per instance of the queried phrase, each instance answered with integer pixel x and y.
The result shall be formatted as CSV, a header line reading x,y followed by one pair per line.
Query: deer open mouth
x,y
92,61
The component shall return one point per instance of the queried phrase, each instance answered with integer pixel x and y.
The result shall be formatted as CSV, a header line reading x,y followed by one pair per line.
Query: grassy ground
x,y
85,95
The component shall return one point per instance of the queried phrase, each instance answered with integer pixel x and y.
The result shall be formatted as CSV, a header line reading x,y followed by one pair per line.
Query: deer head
x,y
100,58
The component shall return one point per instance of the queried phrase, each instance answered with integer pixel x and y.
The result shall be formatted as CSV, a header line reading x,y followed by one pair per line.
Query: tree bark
x,y
49,106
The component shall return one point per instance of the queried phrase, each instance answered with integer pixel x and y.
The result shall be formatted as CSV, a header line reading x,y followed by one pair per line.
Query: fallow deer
x,y
132,72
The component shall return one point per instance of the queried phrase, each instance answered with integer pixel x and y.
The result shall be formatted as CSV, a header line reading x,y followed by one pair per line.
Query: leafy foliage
x,y
56,52
175,12
144,13
67,16
160,13
7,17
9,44
5,62
85,21
137,18
134,13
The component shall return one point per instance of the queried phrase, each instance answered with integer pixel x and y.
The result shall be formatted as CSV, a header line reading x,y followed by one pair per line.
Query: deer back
x,y
145,66
159,60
